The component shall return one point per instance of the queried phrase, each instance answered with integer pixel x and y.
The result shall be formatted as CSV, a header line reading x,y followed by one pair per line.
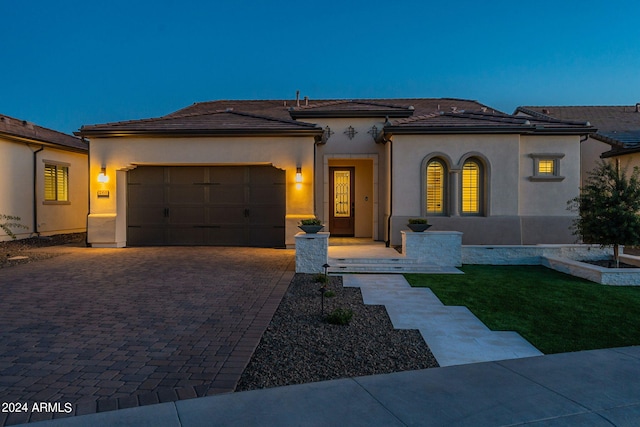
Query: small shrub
x,y
310,221
320,278
329,294
340,316
417,221
10,222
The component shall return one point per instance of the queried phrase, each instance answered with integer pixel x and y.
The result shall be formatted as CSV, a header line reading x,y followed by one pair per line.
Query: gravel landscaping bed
x,y
13,252
300,346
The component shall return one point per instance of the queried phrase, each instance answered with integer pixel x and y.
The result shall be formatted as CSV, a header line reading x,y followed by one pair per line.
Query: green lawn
x,y
555,312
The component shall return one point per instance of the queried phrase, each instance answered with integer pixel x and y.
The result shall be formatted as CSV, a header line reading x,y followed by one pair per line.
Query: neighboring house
x,y
246,172
43,179
617,136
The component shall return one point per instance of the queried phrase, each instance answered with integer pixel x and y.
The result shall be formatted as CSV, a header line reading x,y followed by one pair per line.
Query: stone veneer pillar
x,y
312,252
438,248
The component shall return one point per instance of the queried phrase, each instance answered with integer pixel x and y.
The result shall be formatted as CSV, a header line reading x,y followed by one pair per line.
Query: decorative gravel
x,y
25,248
300,346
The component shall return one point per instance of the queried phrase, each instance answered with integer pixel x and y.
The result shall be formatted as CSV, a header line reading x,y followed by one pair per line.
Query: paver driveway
x,y
115,328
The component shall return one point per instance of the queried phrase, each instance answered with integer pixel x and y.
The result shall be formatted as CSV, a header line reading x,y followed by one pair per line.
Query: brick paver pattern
x,y
107,329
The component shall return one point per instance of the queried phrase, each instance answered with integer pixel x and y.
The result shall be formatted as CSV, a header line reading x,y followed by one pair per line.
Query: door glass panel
x,y
342,193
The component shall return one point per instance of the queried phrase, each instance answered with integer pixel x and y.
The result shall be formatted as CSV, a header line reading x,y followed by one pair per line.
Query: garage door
x,y
216,205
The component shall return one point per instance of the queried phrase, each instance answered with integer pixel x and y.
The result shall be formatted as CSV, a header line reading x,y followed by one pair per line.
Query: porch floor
x,y
363,255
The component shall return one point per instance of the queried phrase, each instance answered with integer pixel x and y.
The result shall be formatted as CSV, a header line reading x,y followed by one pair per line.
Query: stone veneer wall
x,y
602,275
438,248
312,252
530,255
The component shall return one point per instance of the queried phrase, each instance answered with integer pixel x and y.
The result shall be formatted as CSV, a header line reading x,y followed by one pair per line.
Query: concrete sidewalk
x,y
589,388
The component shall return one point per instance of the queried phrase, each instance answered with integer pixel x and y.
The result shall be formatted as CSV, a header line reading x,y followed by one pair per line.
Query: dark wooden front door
x,y
206,205
342,209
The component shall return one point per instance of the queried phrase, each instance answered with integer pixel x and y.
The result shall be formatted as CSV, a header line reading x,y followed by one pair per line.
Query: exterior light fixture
x,y
374,132
102,176
298,175
350,132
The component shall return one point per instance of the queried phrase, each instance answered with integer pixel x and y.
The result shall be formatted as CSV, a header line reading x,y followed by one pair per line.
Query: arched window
x,y
471,191
436,187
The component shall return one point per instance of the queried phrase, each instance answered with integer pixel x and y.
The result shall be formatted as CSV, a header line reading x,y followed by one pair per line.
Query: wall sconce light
x,y
102,176
298,175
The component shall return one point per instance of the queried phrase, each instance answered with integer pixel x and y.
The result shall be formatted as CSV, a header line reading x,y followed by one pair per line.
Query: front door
x,y
341,215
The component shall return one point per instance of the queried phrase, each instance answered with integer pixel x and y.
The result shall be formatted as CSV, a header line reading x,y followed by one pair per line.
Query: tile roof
x,y
282,108
23,130
483,121
226,121
617,125
272,115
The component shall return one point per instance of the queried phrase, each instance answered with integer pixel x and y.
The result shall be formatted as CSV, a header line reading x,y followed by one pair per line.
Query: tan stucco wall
x,y
549,198
516,210
16,185
501,151
16,189
371,171
107,218
590,151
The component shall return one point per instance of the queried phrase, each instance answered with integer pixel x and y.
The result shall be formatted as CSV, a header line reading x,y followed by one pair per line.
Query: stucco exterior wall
x,y
367,157
16,185
17,190
107,217
516,209
590,151
549,198
61,217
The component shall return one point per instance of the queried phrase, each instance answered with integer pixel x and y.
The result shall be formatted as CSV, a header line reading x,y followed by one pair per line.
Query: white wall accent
x,y
312,252
602,275
440,248
530,255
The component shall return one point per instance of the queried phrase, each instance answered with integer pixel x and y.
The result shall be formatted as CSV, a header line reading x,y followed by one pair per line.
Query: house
x,y
44,178
617,136
246,172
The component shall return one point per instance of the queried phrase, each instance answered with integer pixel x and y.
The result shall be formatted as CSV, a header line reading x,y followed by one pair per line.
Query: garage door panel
x,y
267,195
186,194
216,205
227,215
187,215
146,235
178,175
266,174
262,215
227,175
146,194
145,175
146,215
226,194
187,236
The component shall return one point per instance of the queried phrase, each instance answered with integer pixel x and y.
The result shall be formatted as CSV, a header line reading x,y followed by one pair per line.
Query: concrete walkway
x,y
454,335
591,388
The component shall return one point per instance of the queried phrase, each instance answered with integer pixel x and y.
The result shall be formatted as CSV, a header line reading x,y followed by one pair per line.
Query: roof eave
x,y
196,132
36,141
399,130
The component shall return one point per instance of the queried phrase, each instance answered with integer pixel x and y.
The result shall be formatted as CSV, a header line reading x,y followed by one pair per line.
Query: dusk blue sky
x,y
67,63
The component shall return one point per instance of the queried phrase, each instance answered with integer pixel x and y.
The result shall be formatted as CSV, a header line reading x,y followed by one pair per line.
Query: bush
x,y
417,221
340,316
320,278
10,222
311,221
